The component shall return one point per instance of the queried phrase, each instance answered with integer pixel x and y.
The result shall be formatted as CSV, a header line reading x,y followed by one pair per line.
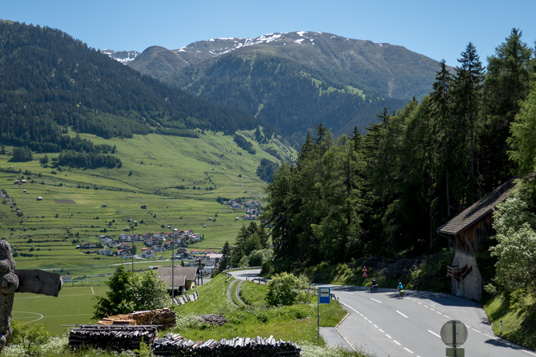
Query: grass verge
x,y
518,318
297,323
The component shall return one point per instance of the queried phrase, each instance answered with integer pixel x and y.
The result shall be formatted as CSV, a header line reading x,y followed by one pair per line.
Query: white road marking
x,y
474,329
398,343
388,336
401,314
40,316
433,333
378,301
530,353
382,331
407,349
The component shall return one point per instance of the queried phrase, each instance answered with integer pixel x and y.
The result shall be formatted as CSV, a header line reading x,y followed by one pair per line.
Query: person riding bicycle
x,y
400,289
373,285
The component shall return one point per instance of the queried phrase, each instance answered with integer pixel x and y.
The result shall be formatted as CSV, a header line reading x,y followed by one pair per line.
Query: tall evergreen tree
x,y
467,101
441,111
507,85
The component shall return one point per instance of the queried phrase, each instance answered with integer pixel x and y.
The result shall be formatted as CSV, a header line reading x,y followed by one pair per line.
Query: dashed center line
x,y
379,329
433,333
401,314
378,301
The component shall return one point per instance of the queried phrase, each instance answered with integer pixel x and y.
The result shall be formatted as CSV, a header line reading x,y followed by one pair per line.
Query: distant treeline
x,y
243,143
82,159
50,81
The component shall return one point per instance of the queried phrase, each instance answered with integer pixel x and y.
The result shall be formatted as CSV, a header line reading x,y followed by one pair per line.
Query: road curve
x,y
383,325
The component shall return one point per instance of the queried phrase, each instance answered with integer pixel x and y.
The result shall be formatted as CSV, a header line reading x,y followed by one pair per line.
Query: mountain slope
x,y
296,80
49,80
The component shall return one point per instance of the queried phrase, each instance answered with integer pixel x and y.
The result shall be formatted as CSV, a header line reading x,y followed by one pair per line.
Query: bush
x,y
29,336
287,289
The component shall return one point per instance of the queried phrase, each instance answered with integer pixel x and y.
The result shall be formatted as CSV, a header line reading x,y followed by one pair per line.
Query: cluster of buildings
x,y
253,209
154,243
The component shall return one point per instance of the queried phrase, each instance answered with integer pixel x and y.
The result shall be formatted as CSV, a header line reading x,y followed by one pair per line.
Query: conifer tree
x,y
507,85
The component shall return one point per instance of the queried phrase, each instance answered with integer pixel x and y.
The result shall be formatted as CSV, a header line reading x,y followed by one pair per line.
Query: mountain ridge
x,y
335,80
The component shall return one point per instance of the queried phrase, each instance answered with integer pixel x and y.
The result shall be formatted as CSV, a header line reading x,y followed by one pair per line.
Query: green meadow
x,y
73,306
177,180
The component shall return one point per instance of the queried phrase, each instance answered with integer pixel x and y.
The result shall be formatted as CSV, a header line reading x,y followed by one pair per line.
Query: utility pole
x,y
172,265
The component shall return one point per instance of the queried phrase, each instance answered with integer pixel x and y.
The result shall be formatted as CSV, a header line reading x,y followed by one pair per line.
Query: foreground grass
x,y
518,319
74,305
297,323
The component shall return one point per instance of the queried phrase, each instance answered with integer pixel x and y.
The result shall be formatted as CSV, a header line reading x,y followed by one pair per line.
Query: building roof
x,y
178,281
478,210
188,272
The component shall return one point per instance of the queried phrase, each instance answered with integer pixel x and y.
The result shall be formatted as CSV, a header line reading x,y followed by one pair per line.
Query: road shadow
x,y
499,342
444,299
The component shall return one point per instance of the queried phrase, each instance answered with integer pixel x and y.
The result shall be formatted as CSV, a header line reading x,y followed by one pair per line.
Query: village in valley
x,y
175,240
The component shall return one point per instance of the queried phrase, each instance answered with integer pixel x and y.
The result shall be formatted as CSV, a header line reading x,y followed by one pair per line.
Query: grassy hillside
x,y
513,317
178,180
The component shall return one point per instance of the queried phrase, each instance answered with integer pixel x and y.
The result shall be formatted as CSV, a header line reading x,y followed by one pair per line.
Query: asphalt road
x,y
381,324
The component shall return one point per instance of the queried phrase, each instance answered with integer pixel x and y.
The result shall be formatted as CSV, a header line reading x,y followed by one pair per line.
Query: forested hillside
x,y
48,80
386,192
296,80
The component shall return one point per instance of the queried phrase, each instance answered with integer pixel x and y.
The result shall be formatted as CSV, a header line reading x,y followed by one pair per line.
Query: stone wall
x,y
471,286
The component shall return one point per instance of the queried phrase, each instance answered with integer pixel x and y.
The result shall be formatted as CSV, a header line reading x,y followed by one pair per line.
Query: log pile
x,y
165,318
115,338
176,345
213,320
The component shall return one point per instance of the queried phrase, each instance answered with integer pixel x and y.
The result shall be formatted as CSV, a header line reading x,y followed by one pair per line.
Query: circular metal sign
x,y
454,333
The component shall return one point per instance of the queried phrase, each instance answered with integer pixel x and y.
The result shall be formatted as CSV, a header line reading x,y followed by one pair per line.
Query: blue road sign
x,y
323,295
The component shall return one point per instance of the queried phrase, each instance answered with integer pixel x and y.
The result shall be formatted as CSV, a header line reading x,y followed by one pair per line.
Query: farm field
x,y
176,180
73,306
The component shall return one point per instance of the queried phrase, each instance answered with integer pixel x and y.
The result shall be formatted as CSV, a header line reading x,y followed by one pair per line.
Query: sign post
x,y
324,297
454,334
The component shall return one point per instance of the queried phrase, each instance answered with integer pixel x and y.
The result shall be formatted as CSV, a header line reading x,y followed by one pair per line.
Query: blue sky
x,y
437,29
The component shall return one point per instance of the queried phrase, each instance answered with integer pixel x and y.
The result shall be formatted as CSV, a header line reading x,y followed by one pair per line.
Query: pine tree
x,y
507,85
467,101
441,112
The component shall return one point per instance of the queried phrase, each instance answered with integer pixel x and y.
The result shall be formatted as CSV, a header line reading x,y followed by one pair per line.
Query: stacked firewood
x,y
176,345
165,318
116,338
213,320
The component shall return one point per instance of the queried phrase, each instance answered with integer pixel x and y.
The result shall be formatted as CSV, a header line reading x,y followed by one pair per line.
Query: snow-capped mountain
x,y
122,56
297,79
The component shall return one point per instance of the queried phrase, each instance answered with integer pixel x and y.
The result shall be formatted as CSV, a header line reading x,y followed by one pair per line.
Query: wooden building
x,y
468,233
183,278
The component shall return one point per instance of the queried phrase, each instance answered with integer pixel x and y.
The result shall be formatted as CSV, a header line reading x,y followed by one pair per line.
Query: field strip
x,y
92,291
68,315
30,312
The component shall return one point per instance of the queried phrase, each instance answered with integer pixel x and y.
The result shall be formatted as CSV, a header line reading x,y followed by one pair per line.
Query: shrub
x,y
287,289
